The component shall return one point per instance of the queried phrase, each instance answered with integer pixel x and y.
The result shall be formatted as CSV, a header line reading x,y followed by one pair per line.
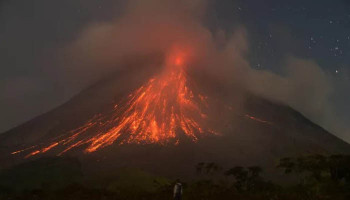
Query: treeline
x,y
313,177
309,177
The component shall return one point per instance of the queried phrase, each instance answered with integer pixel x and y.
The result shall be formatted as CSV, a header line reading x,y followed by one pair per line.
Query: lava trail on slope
x,y
154,113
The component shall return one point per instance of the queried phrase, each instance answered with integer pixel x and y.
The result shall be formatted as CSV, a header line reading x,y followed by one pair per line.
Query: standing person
x,y
177,190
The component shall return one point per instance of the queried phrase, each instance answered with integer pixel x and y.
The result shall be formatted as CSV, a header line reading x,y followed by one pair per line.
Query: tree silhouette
x,y
208,168
199,167
240,175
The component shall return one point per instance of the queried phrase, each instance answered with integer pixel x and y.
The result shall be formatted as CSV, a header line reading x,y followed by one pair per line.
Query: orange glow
x,y
49,147
33,153
154,113
19,151
178,61
179,56
258,120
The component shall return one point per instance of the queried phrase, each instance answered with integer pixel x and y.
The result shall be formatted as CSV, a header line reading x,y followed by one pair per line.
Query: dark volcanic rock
x,y
243,141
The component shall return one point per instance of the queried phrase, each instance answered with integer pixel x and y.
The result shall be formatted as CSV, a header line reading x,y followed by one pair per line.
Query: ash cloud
x,y
156,26
146,27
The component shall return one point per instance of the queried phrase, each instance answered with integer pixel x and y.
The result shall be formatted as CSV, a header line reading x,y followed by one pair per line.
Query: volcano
x,y
166,119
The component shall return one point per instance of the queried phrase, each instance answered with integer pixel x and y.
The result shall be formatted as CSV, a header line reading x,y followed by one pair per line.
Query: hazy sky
x,y
32,80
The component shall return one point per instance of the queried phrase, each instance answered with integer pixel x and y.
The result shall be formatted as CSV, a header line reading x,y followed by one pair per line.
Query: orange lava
x,y
20,151
154,113
258,120
178,61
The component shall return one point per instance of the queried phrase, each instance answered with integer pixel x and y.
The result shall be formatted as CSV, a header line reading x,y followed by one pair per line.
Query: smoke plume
x,y
156,26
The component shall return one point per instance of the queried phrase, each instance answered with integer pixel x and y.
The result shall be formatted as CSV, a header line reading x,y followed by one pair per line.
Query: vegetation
x,y
313,177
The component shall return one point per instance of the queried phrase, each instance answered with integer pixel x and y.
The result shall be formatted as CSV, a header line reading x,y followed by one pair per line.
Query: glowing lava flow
x,y
154,113
258,120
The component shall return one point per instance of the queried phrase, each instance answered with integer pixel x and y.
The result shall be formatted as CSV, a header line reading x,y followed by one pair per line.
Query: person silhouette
x,y
177,190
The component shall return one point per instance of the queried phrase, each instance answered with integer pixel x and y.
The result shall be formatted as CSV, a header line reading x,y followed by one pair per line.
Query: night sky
x,y
31,32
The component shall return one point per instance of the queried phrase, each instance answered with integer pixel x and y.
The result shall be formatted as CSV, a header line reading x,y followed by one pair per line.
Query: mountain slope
x,y
252,130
